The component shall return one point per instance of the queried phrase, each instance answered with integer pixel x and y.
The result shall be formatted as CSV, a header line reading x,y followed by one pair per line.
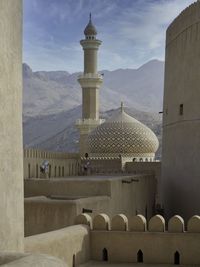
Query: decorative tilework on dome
x,y
123,135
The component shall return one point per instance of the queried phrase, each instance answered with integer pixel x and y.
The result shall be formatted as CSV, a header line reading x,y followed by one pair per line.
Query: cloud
x,y
133,32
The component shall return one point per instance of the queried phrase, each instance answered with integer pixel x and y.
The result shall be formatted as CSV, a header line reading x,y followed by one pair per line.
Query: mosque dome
x,y
123,135
90,28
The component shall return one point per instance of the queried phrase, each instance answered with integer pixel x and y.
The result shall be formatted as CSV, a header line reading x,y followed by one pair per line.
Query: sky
x,y
132,31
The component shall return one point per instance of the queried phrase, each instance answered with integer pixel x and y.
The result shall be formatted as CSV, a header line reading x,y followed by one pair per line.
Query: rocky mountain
x,y
57,132
51,103
57,91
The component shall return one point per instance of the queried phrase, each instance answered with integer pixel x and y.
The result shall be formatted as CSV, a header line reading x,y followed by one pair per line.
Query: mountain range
x,y
52,102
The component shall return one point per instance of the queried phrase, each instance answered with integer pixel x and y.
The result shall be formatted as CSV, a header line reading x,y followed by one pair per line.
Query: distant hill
x,y
52,102
56,91
58,132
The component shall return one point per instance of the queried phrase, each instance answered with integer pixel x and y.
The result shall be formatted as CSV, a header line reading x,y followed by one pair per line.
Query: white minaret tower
x,y
90,82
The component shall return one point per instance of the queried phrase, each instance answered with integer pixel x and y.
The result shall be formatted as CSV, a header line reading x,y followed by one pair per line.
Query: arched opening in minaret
x,y
105,255
177,258
140,256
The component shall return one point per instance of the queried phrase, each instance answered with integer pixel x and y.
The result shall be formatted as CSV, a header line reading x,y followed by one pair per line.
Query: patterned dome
x,y
122,135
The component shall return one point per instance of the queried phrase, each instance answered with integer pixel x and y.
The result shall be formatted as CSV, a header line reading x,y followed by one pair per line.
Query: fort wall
x,y
124,239
11,167
54,203
181,113
60,164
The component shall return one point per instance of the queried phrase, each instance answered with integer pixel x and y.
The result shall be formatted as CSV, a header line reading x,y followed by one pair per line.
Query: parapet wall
x,y
70,244
60,164
138,223
133,240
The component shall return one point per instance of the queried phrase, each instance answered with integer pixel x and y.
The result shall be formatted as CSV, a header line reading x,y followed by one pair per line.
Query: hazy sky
x,y
132,31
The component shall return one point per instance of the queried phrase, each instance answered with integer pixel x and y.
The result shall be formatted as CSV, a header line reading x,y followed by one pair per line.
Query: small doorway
x,y
105,255
140,256
176,258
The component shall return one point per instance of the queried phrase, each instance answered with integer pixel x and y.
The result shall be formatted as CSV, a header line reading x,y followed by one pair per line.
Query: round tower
x,y
90,82
181,115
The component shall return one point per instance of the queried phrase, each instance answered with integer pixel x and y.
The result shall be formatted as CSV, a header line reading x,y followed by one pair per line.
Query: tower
x,y
181,116
90,82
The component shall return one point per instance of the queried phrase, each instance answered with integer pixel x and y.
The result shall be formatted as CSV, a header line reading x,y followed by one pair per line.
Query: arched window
x,y
146,159
176,258
105,255
63,171
141,159
134,159
140,256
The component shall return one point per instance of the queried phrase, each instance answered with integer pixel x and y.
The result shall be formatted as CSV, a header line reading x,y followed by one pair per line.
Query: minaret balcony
x,y
89,122
90,80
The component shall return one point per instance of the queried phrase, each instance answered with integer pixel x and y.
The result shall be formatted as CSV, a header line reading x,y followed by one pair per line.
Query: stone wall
x,y
60,164
181,113
133,240
11,168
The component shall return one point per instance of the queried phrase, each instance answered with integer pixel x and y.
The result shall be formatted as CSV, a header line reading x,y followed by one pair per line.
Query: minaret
x,y
90,82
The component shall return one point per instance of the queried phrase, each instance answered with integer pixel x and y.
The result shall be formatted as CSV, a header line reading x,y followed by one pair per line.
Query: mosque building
x,y
120,136
114,215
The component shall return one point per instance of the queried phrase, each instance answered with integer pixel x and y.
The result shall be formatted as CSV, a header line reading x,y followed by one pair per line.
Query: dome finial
x,y
122,106
90,28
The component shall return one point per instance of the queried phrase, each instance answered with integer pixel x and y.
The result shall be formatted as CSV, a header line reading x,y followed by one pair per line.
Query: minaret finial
x,y
90,16
122,106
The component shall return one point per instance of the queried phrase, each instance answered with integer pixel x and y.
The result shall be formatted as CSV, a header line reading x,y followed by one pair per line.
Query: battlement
x,y
133,240
60,164
38,153
138,223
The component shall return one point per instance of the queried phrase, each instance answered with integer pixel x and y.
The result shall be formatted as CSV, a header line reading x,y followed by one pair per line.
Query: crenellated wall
x,y
132,239
181,115
60,164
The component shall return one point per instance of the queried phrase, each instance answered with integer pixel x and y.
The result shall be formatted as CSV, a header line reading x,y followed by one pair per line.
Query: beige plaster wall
x,y
111,195
156,247
64,244
60,164
26,259
103,165
147,168
11,169
44,214
181,146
